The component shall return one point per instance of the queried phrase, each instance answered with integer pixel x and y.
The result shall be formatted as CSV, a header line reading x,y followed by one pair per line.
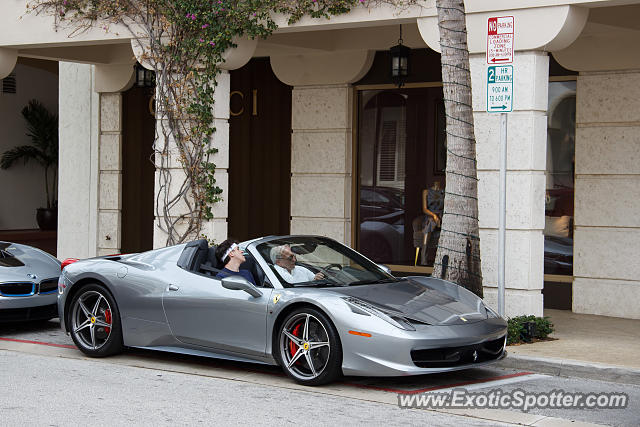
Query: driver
x,y
284,261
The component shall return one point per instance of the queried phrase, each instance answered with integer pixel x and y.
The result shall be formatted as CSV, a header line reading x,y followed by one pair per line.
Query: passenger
x,y
230,254
284,261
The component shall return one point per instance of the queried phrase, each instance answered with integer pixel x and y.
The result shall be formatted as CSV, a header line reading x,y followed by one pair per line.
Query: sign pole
x,y
500,77
503,212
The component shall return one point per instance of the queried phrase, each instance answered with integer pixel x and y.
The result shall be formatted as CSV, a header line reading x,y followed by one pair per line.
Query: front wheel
x,y
95,322
309,348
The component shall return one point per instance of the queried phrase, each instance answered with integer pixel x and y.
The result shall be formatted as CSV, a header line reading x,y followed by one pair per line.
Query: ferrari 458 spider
x,y
28,283
354,318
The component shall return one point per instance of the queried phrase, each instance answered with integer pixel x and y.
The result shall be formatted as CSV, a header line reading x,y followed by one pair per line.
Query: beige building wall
x,y
216,229
607,195
110,174
321,142
526,148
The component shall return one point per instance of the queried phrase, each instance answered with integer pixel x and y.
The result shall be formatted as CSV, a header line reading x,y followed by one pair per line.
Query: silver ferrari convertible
x,y
317,308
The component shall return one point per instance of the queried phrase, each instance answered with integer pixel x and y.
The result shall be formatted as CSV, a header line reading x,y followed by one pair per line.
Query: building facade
x,y
314,137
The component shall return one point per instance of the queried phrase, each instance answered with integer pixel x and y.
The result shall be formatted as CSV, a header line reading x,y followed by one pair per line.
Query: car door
x,y
201,312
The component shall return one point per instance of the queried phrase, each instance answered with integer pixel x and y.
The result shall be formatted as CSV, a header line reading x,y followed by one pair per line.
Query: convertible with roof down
x,y
350,316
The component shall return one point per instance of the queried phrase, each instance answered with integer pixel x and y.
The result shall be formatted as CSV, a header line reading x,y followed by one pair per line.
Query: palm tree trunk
x,y
458,255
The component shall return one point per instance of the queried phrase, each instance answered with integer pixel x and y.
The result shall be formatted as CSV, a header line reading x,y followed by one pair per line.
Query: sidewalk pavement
x,y
587,346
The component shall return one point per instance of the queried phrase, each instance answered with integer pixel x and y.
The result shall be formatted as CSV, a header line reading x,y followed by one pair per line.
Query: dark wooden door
x,y
137,171
260,152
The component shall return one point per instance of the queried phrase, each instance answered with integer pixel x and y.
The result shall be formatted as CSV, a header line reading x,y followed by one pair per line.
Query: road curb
x,y
572,368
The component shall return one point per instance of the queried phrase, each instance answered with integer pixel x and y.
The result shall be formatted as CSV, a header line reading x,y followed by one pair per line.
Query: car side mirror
x,y
385,268
239,283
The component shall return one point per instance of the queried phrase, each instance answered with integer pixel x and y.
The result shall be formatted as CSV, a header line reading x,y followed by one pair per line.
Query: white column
x,y
607,195
321,156
527,137
216,229
78,162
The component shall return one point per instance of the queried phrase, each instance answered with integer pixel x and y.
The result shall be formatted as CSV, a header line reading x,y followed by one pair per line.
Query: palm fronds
x,y
42,128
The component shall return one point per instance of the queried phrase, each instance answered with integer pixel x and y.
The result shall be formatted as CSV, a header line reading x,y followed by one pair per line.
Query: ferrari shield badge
x,y
276,298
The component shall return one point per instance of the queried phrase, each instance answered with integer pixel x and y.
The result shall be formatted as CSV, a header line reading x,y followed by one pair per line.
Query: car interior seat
x,y
193,255
251,265
211,265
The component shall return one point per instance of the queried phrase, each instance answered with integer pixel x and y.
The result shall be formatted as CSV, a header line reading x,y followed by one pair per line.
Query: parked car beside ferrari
x,y
28,283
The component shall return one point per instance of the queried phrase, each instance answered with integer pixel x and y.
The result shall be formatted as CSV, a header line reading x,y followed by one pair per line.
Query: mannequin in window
x,y
432,208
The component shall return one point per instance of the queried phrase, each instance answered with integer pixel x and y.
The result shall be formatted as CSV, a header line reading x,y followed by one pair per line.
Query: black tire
x,y
91,310
326,359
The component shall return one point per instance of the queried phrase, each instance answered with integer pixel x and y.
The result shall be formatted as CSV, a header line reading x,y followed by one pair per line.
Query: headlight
x,y
395,320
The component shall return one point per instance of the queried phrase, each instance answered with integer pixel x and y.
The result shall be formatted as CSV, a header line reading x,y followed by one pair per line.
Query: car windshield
x,y
8,254
317,261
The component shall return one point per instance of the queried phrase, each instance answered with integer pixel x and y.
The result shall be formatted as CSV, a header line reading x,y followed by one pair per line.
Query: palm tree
x,y
42,128
458,255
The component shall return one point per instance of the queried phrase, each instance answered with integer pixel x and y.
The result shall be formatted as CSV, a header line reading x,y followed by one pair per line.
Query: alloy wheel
x,y
91,320
304,346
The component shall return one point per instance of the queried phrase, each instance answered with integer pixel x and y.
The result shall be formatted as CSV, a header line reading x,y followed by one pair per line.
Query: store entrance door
x,y
137,170
259,152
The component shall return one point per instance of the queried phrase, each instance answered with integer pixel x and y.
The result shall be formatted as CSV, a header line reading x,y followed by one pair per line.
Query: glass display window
x,y
559,195
401,155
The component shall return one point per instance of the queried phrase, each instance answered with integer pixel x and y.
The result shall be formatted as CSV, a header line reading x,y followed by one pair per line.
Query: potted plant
x,y
42,128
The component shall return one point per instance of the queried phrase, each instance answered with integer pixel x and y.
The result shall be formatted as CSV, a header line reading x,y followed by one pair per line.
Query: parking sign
x,y
500,31
500,89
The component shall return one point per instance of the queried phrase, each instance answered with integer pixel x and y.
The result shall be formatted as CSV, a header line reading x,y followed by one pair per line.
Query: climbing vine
x,y
183,43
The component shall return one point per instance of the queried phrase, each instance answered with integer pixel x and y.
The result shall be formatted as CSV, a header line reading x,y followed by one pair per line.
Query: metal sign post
x,y
503,212
500,34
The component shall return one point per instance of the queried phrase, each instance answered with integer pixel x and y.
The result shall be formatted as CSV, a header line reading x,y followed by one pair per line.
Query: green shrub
x,y
516,331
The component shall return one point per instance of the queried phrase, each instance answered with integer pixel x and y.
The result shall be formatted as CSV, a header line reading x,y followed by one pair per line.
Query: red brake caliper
x,y
292,347
107,318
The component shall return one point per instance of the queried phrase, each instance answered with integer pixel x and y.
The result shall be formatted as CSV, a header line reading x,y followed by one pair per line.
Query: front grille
x,y
457,356
31,313
49,286
20,289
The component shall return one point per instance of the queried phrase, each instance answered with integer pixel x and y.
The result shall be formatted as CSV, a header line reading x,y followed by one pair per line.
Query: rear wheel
x,y
95,322
309,348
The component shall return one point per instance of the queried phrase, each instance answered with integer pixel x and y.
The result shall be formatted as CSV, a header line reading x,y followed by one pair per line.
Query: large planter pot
x,y
47,218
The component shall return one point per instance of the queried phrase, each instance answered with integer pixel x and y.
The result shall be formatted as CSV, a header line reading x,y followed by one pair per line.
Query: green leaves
x,y
516,331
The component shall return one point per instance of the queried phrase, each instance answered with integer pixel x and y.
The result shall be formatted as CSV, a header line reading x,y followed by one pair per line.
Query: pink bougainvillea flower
x,y
212,43
201,40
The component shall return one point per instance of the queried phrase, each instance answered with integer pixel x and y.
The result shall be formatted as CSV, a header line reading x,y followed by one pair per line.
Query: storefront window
x,y
400,154
561,130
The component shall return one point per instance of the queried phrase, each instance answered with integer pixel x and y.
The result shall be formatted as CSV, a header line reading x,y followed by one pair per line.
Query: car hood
x,y
19,261
422,299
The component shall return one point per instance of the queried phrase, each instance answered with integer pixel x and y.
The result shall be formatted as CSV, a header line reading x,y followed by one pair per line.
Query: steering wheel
x,y
335,266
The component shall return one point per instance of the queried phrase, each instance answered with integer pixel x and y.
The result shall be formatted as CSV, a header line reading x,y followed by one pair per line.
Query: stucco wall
x,y
78,198
607,195
23,185
321,161
526,148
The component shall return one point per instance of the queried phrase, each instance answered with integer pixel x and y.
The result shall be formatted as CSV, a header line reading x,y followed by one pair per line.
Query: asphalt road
x,y
52,383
